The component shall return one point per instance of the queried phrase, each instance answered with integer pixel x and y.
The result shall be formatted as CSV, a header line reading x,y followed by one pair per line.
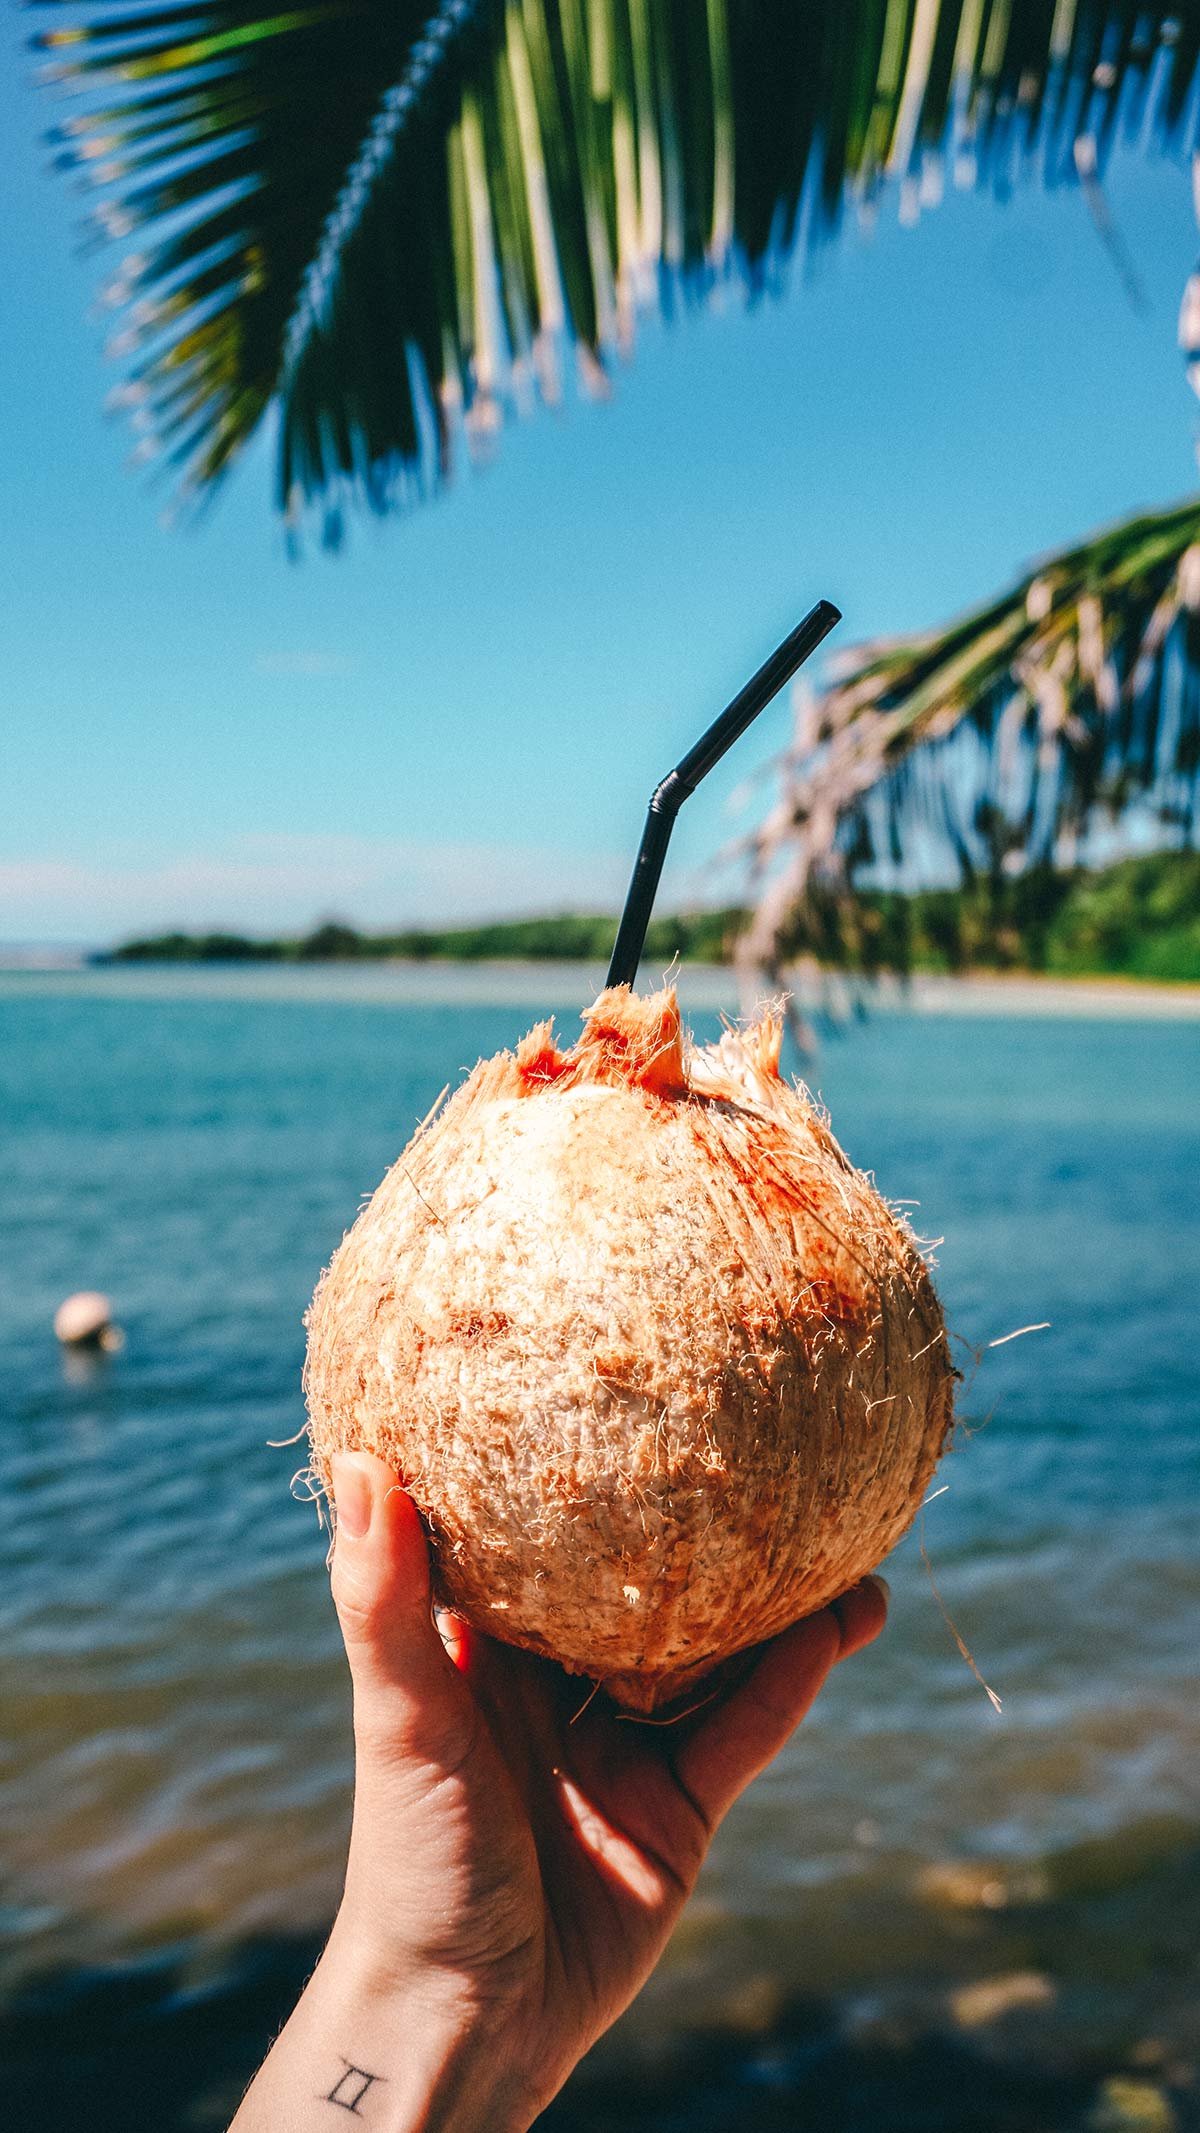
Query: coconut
x,y
658,1365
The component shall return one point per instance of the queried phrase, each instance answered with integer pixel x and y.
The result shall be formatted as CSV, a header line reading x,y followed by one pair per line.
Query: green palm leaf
x,y
1011,738
380,218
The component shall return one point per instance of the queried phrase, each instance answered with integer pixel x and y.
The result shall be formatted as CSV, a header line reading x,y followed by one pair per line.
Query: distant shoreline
x,y
1036,992
1135,921
517,982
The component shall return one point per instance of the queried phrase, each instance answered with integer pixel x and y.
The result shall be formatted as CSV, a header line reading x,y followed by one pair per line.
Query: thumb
x,y
408,1694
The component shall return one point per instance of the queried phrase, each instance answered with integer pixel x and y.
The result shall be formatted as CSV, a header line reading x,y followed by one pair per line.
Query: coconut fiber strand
x,y
660,1368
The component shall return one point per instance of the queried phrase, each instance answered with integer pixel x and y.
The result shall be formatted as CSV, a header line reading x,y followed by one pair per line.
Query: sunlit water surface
x,y
175,1716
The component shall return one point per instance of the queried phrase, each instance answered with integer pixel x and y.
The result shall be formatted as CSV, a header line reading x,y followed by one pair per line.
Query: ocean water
x,y
175,1769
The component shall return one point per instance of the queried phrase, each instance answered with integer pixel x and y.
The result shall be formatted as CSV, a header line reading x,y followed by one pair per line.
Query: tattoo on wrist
x,y
350,2087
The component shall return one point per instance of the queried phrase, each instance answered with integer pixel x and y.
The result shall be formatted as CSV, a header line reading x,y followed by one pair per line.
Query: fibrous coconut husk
x,y
660,1368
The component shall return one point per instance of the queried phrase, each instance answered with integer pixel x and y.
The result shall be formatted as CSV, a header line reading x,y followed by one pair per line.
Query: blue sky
x,y
465,711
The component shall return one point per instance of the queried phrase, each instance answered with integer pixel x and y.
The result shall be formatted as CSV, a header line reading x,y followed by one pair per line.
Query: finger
x,y
747,1727
862,1613
407,1690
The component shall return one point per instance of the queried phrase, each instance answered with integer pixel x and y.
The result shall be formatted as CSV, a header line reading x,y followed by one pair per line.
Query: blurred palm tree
x,y
388,226
1011,739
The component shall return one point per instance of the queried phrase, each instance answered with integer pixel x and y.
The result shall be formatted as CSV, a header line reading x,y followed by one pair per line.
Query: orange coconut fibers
x,y
660,1368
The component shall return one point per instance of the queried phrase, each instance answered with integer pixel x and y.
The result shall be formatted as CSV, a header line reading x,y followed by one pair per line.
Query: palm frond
x,y
1018,736
216,136
382,217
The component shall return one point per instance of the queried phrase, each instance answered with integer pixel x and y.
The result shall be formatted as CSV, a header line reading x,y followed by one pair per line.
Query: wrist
x,y
428,2051
395,2053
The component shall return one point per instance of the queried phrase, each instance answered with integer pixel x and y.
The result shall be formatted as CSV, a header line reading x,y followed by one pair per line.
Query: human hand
x,y
520,1850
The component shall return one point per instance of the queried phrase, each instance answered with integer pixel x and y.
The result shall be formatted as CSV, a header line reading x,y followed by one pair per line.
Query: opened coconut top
x,y
635,1041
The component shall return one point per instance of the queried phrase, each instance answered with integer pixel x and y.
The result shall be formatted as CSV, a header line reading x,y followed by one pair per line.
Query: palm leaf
x,y
378,218
1013,738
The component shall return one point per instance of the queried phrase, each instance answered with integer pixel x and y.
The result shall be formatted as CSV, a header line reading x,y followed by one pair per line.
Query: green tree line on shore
x,y
573,936
1138,918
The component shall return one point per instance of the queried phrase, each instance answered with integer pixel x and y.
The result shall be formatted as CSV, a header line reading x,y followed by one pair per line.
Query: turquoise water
x,y
175,1764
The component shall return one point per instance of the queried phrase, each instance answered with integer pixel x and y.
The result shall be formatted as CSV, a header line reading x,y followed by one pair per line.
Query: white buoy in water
x,y
85,1321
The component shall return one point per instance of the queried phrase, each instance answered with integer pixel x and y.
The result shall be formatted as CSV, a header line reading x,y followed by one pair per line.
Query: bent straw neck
x,y
671,792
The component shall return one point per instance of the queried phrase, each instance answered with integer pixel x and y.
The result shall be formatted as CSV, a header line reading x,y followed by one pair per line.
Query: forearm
x,y
363,2046
517,1858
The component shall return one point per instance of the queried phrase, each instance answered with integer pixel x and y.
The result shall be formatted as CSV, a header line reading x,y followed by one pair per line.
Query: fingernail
x,y
351,1496
875,1577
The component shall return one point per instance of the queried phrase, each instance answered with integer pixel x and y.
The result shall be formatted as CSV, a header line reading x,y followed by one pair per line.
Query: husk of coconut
x,y
658,1365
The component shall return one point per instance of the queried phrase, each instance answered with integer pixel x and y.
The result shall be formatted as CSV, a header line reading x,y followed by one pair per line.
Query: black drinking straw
x,y
667,798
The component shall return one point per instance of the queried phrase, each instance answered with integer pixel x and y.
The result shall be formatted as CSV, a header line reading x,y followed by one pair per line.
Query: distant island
x,y
1139,918
699,937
